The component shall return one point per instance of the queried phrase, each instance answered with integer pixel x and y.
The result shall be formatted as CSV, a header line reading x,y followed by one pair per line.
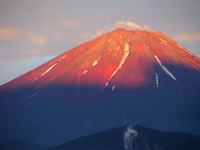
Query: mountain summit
x,y
122,77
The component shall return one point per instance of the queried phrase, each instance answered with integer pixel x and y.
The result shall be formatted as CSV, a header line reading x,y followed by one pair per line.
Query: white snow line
x,y
156,79
104,86
113,88
118,48
63,57
48,69
164,68
110,40
126,53
84,72
158,60
95,62
33,95
35,79
120,37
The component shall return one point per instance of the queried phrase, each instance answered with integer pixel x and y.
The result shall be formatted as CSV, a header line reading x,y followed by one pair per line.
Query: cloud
x,y
104,17
123,24
21,54
36,39
187,37
70,23
8,34
128,24
58,35
39,43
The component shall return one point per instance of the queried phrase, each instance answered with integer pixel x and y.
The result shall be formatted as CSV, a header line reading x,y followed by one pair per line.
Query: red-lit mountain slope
x,y
121,58
119,78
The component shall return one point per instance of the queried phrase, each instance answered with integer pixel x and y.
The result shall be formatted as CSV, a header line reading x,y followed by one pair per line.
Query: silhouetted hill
x,y
135,138
21,145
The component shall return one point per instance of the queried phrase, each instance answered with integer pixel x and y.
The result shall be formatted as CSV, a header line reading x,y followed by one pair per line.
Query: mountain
x,y
123,77
133,138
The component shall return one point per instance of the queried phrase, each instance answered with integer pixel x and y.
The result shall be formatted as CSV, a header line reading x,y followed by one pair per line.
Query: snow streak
x,y
85,72
35,79
49,69
164,68
33,95
156,79
45,72
63,57
113,88
96,61
126,53
118,48
129,135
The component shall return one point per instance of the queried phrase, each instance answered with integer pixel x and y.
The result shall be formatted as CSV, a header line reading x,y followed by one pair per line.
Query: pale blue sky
x,y
34,31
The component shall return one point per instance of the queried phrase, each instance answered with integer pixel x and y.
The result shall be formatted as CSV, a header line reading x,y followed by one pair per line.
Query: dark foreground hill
x,y
133,138
22,145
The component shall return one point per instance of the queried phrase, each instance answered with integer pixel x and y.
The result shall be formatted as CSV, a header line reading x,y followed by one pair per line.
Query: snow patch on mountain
x,y
49,69
179,46
105,86
126,53
63,57
33,95
35,79
95,62
85,71
110,40
129,135
118,48
120,37
113,88
164,68
157,82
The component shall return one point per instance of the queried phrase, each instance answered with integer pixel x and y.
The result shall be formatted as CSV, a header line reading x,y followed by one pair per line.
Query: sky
x,y
33,32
